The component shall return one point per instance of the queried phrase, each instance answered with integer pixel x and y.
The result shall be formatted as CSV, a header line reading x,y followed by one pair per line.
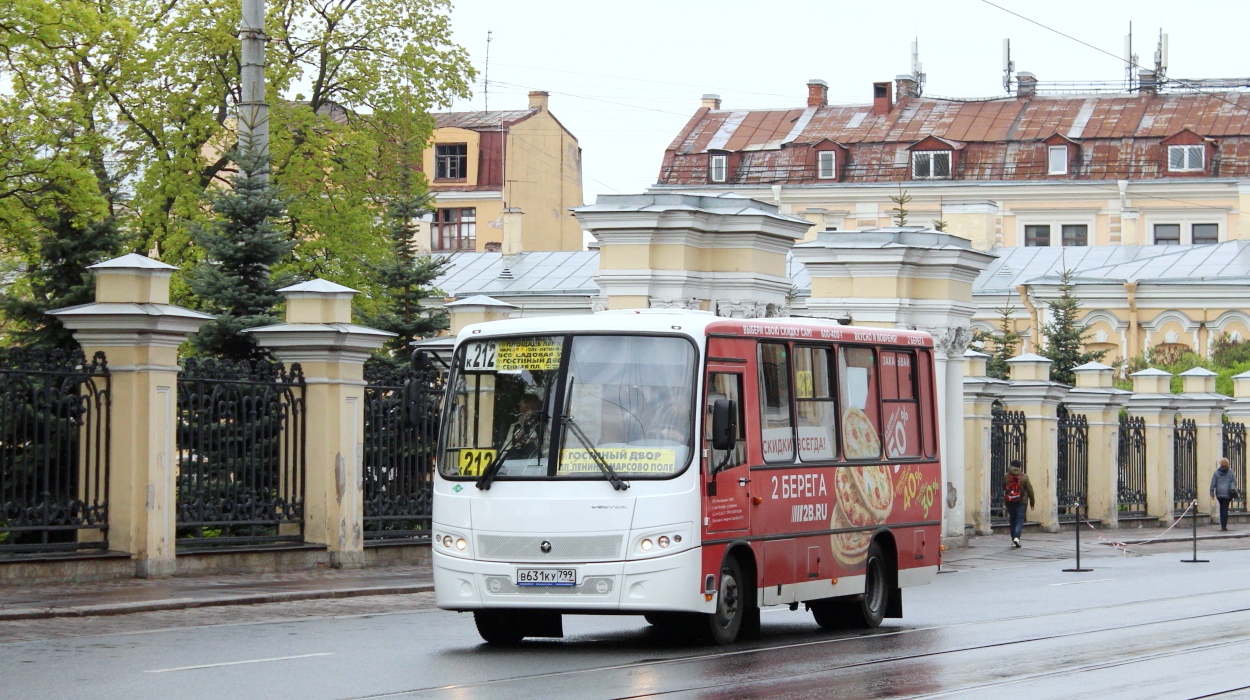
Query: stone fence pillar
x,y
1200,403
1095,398
139,331
1031,392
1153,401
320,336
1239,410
980,393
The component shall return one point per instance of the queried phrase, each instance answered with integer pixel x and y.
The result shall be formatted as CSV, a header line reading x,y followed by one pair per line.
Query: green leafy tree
x,y
1065,336
242,246
1005,342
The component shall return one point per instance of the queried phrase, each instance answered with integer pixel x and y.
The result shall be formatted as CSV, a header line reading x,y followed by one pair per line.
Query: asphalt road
x,y
1139,627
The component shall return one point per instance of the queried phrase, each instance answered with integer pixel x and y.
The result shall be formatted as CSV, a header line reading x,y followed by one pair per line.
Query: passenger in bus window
x,y
667,414
525,431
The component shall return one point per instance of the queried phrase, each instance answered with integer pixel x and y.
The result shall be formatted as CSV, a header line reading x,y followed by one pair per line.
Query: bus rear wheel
x,y
861,611
732,604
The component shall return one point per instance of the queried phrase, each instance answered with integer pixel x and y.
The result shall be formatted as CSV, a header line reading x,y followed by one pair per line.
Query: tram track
x,y
460,688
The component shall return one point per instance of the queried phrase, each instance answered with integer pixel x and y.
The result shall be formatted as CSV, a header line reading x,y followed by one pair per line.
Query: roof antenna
x,y
1009,66
917,68
1161,58
1130,60
486,75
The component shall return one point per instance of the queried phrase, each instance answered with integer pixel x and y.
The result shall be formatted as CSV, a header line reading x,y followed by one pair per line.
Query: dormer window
x,y
718,167
1186,159
1057,160
827,165
931,165
451,161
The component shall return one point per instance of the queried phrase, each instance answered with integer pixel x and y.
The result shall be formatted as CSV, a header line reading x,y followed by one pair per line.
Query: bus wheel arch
x,y
737,591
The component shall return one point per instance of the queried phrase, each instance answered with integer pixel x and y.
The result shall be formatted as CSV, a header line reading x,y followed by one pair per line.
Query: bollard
x,y
1079,522
1195,559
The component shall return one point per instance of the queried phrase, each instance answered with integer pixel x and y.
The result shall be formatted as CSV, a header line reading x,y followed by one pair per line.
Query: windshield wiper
x,y
488,474
617,482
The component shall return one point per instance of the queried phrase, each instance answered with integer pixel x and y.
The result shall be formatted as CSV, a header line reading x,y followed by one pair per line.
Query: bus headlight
x,y
645,545
663,542
447,541
660,541
461,544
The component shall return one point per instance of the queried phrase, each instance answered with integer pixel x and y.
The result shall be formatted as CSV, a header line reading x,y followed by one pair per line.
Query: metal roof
x,y
481,120
531,273
1227,263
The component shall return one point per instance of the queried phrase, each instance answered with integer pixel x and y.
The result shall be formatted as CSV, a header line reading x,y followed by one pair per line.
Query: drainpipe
x,y
1023,291
1130,289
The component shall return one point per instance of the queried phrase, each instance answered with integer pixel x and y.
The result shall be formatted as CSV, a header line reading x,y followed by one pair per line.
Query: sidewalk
x,y
143,595
178,593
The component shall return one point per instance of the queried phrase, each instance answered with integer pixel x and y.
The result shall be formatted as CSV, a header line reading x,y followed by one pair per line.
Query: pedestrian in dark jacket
x,y
1018,494
1224,489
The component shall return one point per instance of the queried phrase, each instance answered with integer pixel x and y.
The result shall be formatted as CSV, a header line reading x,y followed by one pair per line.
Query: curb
x,y
1172,540
187,603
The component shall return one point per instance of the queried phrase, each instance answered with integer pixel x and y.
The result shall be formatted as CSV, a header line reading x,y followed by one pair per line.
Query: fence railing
x,y
1008,441
1235,450
1131,466
54,452
402,413
241,435
1184,463
1072,483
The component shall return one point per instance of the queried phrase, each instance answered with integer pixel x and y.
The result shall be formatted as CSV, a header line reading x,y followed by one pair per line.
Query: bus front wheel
x,y
732,604
498,627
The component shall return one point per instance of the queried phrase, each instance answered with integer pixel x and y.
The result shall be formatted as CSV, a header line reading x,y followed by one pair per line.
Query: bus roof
x,y
697,324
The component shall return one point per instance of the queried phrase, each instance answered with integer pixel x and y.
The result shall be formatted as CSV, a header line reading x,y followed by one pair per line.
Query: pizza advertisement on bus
x,y
861,435
900,404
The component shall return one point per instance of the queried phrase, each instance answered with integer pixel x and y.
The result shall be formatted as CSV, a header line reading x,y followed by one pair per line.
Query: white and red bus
x,y
685,467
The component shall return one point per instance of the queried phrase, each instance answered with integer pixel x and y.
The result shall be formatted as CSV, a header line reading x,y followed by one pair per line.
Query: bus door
x,y
726,475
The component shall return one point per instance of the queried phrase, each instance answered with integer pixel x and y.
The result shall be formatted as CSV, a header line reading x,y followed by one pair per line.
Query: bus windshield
x,y
550,406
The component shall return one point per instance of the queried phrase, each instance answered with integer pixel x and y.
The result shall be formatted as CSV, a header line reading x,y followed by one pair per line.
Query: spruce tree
x,y
900,207
1005,341
56,274
1064,337
241,246
406,276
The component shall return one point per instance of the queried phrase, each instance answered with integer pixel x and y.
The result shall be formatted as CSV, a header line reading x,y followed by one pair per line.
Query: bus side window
x,y
857,384
776,422
814,404
899,405
726,385
924,374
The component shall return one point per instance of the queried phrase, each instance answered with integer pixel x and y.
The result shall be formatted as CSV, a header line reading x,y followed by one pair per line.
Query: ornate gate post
x,y
1153,402
133,322
1094,397
320,336
1032,392
1200,403
979,394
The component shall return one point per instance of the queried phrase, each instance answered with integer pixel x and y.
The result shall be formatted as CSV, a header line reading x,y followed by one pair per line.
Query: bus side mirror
x,y
412,402
724,424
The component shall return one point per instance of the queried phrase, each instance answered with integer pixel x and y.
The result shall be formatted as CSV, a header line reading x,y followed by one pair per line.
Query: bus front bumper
x,y
670,583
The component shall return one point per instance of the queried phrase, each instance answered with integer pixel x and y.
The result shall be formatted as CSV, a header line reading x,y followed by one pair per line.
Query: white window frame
x,y
1056,222
1187,152
1051,151
917,156
1186,221
827,165
718,167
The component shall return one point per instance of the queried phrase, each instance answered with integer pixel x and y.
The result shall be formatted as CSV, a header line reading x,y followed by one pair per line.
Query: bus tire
x,y
868,610
831,614
732,603
664,620
498,627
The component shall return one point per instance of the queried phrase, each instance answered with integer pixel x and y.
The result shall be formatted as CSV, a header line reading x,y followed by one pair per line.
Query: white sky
x,y
625,77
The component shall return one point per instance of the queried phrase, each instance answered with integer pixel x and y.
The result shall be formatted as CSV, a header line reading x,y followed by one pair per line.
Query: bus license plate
x,y
546,577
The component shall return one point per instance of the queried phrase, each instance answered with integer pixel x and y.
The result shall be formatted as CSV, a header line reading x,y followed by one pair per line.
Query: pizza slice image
x,y
859,435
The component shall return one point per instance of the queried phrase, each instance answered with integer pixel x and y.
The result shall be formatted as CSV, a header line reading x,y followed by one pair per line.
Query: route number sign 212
x,y
480,357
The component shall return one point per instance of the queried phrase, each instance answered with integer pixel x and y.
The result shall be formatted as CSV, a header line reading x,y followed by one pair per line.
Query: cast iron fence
x,y
402,413
1073,479
54,451
1184,463
1007,442
1131,466
241,435
1235,451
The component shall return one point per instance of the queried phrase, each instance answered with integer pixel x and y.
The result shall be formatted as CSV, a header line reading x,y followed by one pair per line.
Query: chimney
x,y
710,102
1026,84
538,99
511,231
905,86
882,99
817,93
1147,81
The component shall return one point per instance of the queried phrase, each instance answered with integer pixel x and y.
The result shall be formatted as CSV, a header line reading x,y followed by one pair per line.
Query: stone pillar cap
x,y
1029,357
1198,372
1148,372
317,286
132,261
481,300
1243,375
1091,367
975,353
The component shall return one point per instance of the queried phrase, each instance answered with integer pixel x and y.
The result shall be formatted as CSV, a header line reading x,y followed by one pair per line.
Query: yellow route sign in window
x,y
535,354
474,462
625,460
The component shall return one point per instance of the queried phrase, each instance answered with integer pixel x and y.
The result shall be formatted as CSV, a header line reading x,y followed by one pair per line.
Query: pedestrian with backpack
x,y
1018,493
1224,488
